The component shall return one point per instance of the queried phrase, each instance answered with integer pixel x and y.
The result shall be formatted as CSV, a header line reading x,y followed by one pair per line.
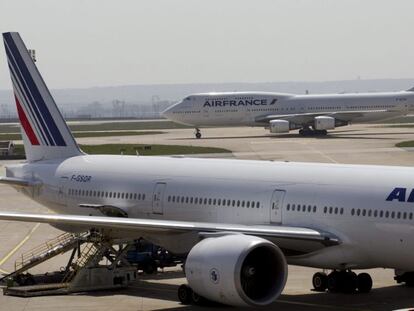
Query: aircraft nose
x,y
168,113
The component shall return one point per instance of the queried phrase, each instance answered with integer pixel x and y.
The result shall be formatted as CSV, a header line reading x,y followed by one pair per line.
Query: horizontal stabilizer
x,y
19,182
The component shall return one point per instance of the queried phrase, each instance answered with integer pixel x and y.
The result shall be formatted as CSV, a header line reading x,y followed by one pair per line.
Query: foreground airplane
x,y
312,114
239,222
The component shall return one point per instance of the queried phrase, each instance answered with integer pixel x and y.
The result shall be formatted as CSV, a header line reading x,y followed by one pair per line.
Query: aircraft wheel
x,y
364,282
185,294
334,282
350,282
197,299
320,281
198,135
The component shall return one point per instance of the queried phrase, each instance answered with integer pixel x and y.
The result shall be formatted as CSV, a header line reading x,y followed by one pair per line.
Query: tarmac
x,y
357,144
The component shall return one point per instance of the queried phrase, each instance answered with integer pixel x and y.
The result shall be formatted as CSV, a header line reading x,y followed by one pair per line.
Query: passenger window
x,y
352,212
411,216
169,198
392,214
122,195
363,212
381,214
342,211
238,203
293,207
139,197
287,206
205,201
309,209
336,210
214,201
196,201
405,215
258,204
314,209
387,214
369,213
209,201
242,204
135,197
358,212
399,215
186,200
191,200
325,209
219,202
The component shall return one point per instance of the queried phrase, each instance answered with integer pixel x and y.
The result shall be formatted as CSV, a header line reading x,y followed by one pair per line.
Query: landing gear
x,y
405,277
344,281
187,296
184,294
197,133
320,281
309,132
364,283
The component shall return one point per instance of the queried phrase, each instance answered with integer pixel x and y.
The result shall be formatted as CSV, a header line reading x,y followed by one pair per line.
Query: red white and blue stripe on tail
x,y
34,115
45,133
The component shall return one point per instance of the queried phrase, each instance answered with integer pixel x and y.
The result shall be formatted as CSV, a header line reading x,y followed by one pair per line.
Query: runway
x,y
359,144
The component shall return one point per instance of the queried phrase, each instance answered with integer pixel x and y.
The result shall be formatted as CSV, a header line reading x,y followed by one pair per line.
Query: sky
x,y
88,43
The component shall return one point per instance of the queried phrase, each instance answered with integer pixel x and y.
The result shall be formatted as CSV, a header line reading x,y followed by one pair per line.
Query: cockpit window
x,y
187,98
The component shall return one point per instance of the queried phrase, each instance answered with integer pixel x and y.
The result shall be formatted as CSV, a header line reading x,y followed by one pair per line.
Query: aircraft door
x,y
158,198
276,206
62,195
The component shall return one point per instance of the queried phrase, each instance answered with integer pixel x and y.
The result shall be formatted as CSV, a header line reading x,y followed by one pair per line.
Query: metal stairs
x,y
59,245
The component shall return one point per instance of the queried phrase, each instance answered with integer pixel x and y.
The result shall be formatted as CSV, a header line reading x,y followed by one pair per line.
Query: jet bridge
x,y
95,263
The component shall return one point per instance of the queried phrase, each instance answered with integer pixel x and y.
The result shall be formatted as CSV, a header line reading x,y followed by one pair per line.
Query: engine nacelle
x,y
237,270
279,126
324,123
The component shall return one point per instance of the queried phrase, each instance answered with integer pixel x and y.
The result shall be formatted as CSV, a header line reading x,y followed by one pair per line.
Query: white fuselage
x,y
253,108
349,201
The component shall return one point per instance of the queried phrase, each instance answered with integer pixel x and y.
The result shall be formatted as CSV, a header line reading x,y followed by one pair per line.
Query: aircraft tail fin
x,y
45,133
411,90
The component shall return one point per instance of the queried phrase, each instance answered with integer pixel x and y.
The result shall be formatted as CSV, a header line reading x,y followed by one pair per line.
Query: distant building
x,y
6,148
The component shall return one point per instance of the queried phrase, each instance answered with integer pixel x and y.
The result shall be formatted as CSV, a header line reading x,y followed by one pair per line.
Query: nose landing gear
x,y
197,133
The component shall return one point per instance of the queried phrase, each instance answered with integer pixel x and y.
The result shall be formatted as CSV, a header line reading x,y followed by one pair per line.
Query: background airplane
x,y
238,222
312,114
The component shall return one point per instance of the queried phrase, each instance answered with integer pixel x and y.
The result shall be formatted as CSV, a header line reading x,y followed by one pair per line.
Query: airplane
x,y
281,113
239,223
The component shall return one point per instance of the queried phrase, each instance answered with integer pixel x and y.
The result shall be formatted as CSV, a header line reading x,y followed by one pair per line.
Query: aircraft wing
x,y
289,237
18,182
301,118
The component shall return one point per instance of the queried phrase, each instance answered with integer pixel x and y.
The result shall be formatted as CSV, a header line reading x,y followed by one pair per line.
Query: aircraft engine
x,y
279,126
237,270
324,123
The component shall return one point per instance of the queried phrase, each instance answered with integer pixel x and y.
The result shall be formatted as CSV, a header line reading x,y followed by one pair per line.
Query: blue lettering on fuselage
x,y
400,194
